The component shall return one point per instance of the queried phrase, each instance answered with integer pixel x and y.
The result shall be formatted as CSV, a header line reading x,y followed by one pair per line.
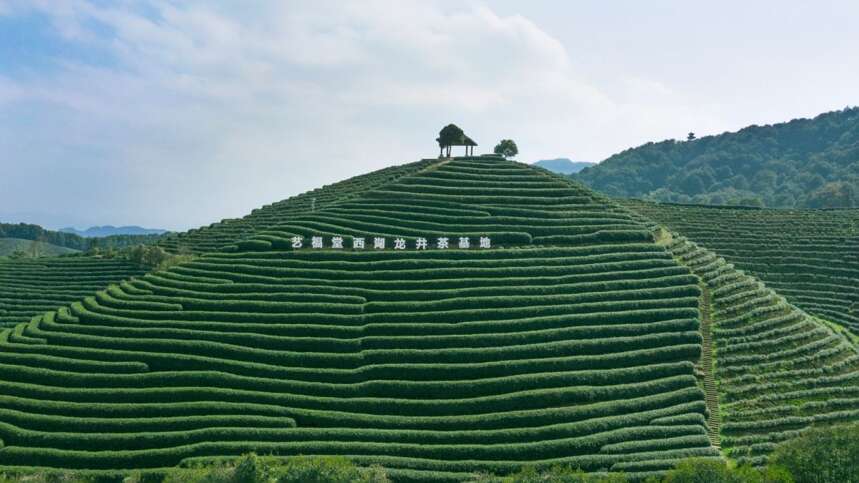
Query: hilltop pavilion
x,y
452,135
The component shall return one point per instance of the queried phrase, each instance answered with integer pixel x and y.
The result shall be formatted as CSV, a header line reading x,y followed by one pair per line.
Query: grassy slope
x,y
573,340
9,246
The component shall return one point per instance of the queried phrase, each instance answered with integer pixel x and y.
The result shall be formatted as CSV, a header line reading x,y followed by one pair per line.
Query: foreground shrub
x,y
57,477
701,470
251,468
709,470
153,256
822,455
327,469
556,474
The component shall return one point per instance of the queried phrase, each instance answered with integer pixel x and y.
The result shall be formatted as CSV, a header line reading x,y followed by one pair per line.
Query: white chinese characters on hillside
x,y
399,243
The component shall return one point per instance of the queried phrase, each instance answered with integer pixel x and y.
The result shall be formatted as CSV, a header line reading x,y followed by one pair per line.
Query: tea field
x,y
778,370
229,231
29,287
440,318
809,256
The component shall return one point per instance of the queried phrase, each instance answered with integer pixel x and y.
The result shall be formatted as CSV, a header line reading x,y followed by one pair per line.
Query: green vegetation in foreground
x,y
811,257
20,248
819,455
804,163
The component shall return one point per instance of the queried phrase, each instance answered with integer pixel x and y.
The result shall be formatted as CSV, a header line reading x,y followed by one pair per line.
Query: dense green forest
x,y
25,231
808,163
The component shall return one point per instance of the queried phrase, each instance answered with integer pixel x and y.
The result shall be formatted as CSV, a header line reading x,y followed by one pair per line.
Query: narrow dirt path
x,y
706,365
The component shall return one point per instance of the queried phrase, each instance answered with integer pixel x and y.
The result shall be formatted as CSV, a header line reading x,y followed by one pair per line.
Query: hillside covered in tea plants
x,y
811,257
509,317
572,339
228,231
29,287
775,370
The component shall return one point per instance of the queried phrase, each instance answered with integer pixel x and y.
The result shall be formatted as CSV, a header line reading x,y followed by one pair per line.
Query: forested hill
x,y
811,163
26,231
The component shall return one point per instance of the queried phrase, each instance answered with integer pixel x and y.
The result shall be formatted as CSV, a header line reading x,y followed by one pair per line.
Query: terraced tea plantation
x,y
809,256
778,369
569,337
573,339
435,361
226,232
512,204
29,287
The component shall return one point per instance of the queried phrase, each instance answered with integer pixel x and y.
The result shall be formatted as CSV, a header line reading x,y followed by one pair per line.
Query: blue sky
x,y
178,114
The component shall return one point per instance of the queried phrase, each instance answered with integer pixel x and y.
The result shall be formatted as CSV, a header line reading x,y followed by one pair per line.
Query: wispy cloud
x,y
195,112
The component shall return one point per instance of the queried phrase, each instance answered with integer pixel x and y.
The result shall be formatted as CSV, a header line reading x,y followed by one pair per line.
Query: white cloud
x,y
205,113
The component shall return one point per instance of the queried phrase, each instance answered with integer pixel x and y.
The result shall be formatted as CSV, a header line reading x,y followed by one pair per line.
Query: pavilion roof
x,y
464,141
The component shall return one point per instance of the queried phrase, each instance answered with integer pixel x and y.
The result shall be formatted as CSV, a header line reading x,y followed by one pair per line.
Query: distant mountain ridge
x,y
563,165
804,163
110,230
26,231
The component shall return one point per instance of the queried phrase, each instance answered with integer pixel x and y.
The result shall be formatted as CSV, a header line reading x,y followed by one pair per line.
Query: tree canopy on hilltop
x,y
507,148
